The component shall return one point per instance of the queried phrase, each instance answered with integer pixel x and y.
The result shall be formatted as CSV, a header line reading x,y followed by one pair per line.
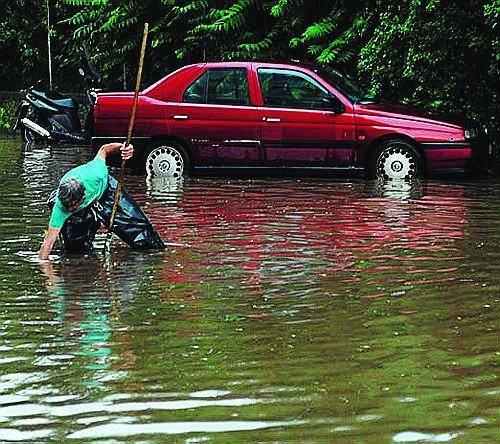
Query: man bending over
x,y
84,200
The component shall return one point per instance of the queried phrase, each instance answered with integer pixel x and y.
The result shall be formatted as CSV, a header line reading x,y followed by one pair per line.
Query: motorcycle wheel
x,y
27,136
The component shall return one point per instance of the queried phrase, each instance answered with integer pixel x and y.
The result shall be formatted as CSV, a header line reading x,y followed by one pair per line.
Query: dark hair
x,y
71,191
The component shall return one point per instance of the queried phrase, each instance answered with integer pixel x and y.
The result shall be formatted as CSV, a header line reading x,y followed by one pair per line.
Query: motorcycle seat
x,y
56,99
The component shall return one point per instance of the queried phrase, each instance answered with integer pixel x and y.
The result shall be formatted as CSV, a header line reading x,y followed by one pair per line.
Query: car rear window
x,y
224,86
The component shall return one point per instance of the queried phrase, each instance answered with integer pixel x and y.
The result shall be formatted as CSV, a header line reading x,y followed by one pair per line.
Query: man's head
x,y
71,194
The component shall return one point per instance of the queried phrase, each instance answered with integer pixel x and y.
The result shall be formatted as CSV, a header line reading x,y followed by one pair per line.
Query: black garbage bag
x,y
78,232
131,225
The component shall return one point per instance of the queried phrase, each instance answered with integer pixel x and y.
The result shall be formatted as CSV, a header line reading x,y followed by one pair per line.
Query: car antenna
x,y
129,136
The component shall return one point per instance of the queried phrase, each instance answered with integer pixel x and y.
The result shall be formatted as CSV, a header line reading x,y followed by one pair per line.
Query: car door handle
x,y
271,119
180,117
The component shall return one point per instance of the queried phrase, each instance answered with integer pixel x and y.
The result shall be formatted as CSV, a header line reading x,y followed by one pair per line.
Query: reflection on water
x,y
283,309
163,189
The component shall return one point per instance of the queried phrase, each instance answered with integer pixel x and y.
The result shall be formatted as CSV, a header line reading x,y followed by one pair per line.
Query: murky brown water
x,y
314,310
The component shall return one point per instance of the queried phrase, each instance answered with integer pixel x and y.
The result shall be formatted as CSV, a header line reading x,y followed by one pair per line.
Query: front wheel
x,y
166,160
397,160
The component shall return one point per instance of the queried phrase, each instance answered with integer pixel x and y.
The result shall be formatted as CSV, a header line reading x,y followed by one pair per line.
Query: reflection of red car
x,y
235,115
272,230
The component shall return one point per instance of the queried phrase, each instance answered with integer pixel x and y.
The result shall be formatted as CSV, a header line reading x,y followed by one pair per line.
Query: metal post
x,y
124,76
48,44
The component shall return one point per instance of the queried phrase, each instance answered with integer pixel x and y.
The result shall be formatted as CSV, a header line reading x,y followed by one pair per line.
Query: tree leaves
x,y
430,52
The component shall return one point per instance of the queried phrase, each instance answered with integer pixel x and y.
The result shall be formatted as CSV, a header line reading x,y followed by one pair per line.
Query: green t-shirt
x,y
94,177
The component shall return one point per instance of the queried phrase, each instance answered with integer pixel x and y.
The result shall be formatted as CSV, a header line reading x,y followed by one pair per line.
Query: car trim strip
x,y
310,144
445,145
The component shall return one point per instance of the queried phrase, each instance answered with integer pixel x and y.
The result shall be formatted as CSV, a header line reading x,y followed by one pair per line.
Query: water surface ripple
x,y
312,310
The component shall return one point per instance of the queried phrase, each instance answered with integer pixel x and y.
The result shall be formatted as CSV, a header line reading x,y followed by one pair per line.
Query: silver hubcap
x,y
396,163
165,161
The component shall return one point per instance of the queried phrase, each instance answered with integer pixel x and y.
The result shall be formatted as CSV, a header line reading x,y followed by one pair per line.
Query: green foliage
x,y
4,119
431,53
443,54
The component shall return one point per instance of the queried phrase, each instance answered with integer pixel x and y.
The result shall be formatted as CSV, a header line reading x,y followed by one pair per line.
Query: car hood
x,y
409,112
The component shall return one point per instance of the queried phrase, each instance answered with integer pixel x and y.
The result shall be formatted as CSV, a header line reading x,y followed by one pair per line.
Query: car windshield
x,y
348,87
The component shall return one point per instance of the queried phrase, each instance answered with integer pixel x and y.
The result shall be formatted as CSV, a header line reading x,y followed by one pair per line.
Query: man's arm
x,y
105,150
48,242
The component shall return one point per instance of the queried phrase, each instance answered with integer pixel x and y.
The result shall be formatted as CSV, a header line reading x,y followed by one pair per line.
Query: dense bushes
x,y
443,54
8,106
4,120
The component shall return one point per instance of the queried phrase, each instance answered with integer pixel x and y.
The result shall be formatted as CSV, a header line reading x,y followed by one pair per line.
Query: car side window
x,y
224,86
292,89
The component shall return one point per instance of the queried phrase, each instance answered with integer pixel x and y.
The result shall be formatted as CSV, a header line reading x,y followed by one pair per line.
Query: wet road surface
x,y
314,310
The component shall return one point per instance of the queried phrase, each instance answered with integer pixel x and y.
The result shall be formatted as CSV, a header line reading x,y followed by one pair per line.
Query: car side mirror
x,y
335,105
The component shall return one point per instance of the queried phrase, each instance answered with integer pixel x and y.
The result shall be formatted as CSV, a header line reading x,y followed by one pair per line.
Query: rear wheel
x,y
167,160
27,136
397,160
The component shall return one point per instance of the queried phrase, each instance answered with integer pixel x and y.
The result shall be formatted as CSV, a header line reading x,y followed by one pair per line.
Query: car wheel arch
x,y
376,144
177,142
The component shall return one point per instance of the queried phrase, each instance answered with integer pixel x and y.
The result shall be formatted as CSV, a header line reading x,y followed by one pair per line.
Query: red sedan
x,y
263,116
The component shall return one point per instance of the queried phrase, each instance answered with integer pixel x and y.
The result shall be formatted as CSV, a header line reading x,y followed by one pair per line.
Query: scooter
x,y
45,117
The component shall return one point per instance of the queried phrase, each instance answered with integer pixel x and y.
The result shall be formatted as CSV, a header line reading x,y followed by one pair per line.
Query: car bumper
x,y
485,154
464,157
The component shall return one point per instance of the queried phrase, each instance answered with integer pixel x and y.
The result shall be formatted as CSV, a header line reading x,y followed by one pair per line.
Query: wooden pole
x,y
129,131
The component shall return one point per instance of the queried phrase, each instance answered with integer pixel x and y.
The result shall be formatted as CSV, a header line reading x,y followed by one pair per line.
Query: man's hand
x,y
127,151
48,243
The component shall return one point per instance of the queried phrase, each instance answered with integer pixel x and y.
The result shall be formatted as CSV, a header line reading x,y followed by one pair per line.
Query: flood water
x,y
286,309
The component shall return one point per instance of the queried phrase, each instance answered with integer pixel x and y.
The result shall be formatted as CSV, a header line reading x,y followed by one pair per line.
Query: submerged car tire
x,y
166,160
397,160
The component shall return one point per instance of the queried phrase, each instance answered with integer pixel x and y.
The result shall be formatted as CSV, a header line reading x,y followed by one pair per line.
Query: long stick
x,y
130,128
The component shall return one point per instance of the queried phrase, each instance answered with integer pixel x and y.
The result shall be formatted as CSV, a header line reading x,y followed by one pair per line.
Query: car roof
x,y
258,63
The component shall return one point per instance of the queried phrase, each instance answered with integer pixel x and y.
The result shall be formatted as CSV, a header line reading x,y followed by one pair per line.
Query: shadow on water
x,y
307,309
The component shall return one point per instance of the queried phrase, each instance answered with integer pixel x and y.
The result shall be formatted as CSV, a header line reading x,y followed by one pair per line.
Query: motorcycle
x,y
49,116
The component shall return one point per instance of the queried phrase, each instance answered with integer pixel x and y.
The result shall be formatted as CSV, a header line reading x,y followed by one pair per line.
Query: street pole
x,y
48,44
124,76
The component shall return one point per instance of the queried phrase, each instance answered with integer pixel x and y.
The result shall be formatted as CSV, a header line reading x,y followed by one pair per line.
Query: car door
x,y
217,119
299,126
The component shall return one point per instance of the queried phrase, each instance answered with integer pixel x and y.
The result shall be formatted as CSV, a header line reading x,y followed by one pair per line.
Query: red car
x,y
249,115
